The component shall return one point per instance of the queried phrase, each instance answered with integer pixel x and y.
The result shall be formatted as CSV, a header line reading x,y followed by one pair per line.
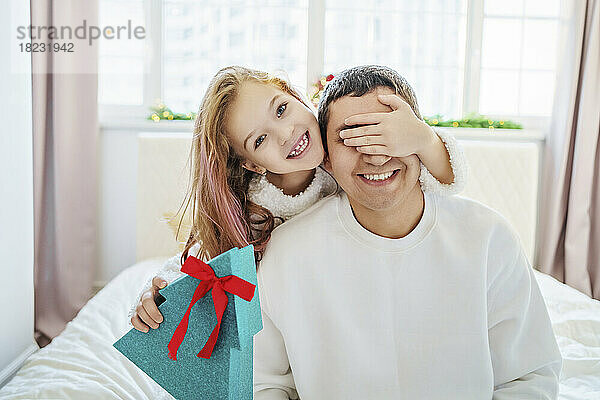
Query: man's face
x,y
361,176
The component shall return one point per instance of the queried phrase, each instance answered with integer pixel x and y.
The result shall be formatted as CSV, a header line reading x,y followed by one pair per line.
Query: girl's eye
x,y
281,109
259,140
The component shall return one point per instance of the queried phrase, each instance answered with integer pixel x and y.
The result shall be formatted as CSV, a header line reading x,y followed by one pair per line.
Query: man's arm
x,y
525,356
541,384
273,379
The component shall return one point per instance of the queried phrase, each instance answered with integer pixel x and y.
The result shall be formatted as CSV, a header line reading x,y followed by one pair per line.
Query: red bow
x,y
231,283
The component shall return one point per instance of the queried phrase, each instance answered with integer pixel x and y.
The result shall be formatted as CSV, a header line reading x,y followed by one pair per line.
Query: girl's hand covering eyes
x,y
398,133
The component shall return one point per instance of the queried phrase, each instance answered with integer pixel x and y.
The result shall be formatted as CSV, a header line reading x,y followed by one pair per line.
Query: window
x,y
267,35
494,57
121,61
423,40
518,62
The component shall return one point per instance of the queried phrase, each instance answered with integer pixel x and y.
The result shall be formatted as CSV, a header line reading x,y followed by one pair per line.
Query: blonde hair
x,y
222,215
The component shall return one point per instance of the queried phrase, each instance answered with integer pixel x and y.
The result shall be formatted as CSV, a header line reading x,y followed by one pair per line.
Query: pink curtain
x,y
569,245
65,130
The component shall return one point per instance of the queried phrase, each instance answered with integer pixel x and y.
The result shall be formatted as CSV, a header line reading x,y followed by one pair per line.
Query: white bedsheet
x,y
82,364
576,323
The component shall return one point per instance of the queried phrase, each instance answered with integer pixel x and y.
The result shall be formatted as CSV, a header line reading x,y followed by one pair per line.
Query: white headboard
x,y
503,173
505,176
161,187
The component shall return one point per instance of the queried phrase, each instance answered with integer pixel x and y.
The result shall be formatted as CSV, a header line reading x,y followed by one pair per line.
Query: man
x,y
384,292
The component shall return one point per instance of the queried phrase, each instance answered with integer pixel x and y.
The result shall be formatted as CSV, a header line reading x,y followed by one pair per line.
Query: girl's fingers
x,y
358,131
138,324
375,149
392,100
159,283
150,307
145,317
362,119
363,141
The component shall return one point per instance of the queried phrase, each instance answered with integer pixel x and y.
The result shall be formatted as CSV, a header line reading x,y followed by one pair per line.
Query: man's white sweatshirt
x,y
450,311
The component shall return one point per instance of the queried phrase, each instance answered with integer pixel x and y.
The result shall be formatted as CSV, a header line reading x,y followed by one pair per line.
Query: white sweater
x,y
451,311
265,194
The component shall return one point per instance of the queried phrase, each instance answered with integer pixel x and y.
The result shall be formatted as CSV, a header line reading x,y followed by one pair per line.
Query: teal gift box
x,y
227,371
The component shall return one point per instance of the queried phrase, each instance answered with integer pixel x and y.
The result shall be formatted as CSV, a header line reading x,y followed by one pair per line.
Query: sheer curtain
x,y
65,131
569,243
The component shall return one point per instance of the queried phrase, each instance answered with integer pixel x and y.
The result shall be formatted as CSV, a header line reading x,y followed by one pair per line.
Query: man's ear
x,y
250,166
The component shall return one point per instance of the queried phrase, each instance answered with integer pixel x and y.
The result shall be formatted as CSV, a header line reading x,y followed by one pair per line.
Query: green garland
x,y
472,121
162,112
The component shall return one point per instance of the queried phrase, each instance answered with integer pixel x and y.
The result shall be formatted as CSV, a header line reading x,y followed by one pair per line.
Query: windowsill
x,y
509,135
147,125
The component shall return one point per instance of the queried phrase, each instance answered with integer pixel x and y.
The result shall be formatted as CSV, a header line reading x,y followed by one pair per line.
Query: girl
x,y
256,151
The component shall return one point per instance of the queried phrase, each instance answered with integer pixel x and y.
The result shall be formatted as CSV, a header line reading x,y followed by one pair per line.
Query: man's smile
x,y
379,179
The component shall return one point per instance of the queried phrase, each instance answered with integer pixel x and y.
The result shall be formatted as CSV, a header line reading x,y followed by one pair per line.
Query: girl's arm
x,y
437,160
169,272
449,157
143,313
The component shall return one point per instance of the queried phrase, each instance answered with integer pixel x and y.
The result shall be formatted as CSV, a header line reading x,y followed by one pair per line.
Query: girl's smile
x,y
301,146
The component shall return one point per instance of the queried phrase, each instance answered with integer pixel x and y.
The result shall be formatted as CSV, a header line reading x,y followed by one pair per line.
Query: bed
x,y
82,364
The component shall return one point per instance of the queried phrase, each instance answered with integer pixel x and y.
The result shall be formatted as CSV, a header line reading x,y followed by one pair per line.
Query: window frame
x,y
114,115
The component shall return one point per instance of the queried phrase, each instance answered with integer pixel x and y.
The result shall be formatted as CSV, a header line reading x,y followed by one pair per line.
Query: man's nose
x,y
375,160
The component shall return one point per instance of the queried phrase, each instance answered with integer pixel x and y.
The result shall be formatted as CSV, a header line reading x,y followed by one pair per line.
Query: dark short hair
x,y
358,81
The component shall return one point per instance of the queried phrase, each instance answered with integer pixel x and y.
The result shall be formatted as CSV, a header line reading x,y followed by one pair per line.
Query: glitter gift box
x,y
225,372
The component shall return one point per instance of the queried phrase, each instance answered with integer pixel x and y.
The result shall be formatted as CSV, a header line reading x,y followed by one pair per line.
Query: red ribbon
x,y
231,283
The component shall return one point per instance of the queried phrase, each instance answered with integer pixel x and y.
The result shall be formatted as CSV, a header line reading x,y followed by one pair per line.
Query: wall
x,y
16,211
118,182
